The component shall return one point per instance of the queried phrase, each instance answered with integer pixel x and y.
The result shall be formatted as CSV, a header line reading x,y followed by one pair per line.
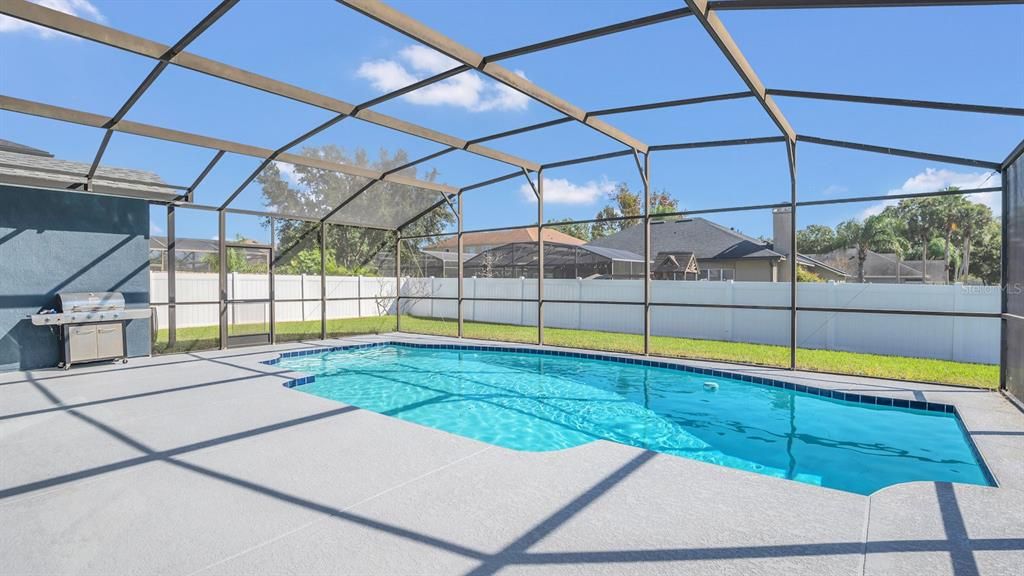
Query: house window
x,y
717,274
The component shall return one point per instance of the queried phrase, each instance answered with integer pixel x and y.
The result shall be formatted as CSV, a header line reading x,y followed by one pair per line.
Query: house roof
x,y
704,238
814,262
677,262
446,256
38,169
500,237
8,146
879,265
524,253
184,244
613,253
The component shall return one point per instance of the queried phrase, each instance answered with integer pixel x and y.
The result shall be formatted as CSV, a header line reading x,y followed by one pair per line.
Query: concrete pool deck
x,y
204,463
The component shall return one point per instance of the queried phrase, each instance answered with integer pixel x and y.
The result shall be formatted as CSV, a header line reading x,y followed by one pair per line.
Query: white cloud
x,y
80,8
933,180
288,171
833,189
561,191
426,60
467,90
155,230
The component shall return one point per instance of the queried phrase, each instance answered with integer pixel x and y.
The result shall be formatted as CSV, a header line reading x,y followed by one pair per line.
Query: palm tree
x,y
915,215
973,222
948,214
875,233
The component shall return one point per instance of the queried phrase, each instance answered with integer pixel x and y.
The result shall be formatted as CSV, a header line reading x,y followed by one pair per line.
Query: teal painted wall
x,y
54,242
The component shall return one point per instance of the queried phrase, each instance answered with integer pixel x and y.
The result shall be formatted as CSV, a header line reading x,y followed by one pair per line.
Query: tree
x,y
805,275
626,204
307,261
663,203
602,227
316,192
986,253
575,229
949,211
816,239
973,225
915,215
876,233
237,261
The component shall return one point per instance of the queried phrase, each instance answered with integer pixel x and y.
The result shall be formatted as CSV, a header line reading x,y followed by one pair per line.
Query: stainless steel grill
x,y
91,325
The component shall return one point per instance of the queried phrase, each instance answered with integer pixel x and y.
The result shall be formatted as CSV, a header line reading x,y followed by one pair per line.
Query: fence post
x,y
830,317
730,293
233,319
522,303
957,340
579,307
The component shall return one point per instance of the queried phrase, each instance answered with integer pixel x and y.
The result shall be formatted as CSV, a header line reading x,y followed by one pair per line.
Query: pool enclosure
x,y
346,238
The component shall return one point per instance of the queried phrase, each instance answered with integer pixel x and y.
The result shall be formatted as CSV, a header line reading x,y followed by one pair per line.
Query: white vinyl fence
x,y
961,339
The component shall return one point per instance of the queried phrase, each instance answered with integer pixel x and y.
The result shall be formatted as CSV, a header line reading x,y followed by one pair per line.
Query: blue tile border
x,y
823,392
800,388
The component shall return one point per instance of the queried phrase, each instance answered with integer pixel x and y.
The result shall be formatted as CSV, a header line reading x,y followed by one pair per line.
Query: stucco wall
x,y
54,242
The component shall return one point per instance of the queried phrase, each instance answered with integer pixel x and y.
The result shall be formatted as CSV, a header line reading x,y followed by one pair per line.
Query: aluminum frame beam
x,y
190,193
52,112
816,4
718,32
427,36
904,102
996,166
633,24
66,23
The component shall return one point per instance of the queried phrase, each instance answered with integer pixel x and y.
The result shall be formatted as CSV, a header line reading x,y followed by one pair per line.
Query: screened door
x,y
250,295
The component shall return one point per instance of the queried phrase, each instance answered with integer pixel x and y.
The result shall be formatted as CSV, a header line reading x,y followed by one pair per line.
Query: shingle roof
x,y
8,146
707,240
43,171
880,265
613,253
523,253
676,262
500,237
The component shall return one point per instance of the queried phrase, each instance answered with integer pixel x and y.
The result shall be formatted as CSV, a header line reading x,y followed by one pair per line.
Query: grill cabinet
x,y
92,326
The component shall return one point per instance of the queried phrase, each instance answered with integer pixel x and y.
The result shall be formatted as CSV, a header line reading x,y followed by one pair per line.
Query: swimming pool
x,y
535,400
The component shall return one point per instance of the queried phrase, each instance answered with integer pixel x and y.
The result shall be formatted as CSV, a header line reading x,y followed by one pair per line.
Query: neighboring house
x,y
719,253
519,260
676,266
477,242
196,254
882,268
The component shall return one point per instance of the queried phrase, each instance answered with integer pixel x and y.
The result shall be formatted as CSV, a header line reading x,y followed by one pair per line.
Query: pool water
x,y
537,402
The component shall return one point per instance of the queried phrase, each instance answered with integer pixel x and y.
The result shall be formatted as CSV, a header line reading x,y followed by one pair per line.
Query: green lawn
x,y
895,367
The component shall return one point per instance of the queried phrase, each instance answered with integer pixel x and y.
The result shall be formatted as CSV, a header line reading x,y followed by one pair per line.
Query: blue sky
x,y
973,55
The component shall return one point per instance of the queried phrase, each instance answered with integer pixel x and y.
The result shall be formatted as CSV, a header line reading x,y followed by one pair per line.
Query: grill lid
x,y
89,301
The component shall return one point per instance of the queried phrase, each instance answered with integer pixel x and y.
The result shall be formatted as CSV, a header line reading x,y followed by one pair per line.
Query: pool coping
x,y
868,399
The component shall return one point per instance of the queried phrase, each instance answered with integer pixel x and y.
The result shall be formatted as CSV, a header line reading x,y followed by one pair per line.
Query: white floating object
x,y
711,385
